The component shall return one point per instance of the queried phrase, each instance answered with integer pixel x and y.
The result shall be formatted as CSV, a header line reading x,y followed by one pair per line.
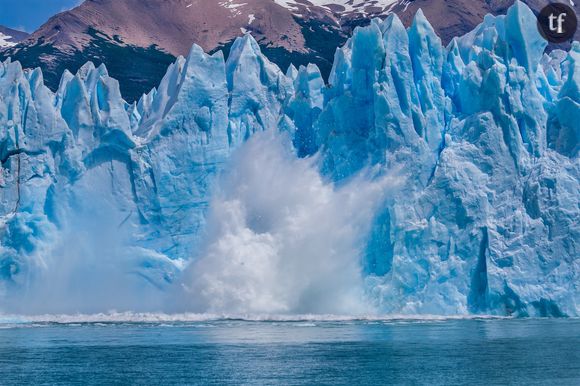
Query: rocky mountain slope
x,y
137,39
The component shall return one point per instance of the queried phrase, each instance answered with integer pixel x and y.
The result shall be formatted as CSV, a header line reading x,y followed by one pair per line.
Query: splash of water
x,y
281,239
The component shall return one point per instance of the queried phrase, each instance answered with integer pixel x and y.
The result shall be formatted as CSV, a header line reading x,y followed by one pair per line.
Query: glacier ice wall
x,y
109,202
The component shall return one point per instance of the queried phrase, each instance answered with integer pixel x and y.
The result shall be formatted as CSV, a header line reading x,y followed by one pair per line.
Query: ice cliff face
x,y
483,132
489,214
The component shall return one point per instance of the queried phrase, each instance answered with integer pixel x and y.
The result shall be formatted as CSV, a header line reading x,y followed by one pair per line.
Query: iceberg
x,y
483,135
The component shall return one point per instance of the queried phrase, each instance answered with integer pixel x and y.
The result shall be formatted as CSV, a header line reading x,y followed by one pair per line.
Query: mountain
x,y
138,39
444,181
10,37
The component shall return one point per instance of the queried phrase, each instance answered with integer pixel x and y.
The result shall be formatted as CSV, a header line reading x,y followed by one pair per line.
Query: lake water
x,y
370,352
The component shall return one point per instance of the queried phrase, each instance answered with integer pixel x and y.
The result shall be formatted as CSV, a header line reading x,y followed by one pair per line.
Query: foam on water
x,y
168,319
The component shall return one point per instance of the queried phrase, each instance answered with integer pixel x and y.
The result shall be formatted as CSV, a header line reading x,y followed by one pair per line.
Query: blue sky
x,y
28,15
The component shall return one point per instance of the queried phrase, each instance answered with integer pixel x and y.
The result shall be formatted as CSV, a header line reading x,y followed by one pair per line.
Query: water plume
x,y
281,239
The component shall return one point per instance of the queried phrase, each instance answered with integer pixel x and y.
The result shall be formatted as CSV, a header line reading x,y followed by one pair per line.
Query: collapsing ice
x,y
104,204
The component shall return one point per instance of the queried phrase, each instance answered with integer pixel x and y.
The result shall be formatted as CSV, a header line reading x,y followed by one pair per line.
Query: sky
x,y
28,15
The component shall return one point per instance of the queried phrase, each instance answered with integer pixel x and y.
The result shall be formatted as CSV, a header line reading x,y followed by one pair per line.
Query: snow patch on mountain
x,y
6,41
346,6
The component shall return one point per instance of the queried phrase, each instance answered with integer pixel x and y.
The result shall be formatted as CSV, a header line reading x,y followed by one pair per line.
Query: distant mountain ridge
x,y
138,39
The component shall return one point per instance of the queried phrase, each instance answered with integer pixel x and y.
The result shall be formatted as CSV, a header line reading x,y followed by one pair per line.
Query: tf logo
x,y
557,22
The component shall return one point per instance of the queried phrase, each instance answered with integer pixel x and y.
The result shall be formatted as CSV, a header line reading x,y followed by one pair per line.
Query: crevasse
x,y
484,134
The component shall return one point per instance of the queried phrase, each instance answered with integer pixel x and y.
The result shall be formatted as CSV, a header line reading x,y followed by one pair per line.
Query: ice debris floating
x,y
484,134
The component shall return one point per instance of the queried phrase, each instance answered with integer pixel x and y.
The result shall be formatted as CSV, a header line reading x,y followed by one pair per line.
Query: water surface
x,y
371,352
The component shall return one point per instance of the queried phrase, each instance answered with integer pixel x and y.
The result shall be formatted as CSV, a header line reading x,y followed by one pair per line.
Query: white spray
x,y
280,239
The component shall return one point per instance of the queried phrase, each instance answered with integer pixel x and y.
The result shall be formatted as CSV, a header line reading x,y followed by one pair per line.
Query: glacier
x,y
105,204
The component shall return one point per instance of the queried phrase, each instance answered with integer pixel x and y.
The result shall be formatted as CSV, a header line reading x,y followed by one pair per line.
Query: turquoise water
x,y
420,352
